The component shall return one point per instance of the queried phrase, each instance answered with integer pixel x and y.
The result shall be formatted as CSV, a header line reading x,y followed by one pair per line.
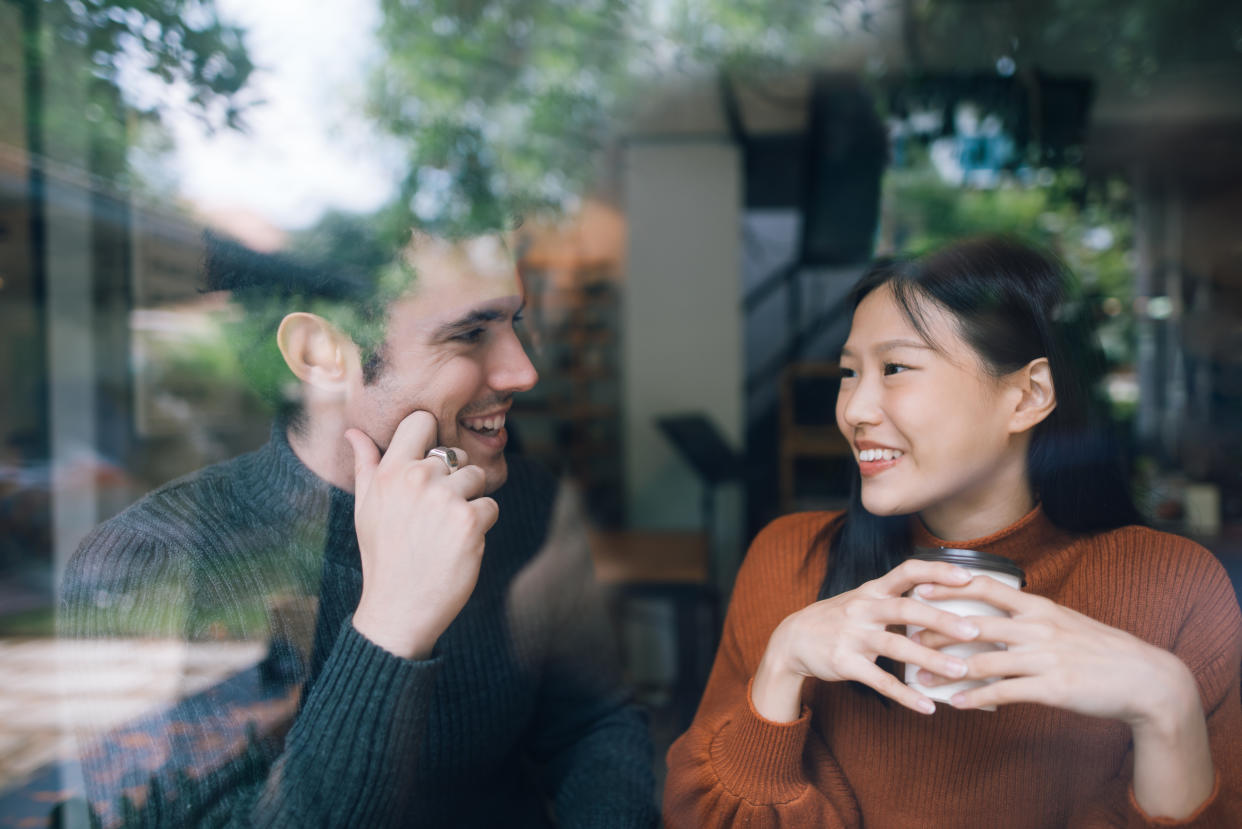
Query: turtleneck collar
x,y
277,483
1023,541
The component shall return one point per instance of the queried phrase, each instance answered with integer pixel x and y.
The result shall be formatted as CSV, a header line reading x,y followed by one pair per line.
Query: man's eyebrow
x,y
889,345
477,317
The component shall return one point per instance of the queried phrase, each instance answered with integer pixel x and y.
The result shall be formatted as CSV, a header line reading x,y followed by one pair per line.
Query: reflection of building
x,y
93,280
572,419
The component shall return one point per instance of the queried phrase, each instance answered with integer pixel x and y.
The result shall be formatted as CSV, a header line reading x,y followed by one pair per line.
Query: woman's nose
x,y
858,405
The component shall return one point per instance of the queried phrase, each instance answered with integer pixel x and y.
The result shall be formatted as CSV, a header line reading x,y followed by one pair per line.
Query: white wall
x,y
682,326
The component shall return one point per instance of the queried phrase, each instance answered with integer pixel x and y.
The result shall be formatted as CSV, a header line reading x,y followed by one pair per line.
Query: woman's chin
x,y
887,507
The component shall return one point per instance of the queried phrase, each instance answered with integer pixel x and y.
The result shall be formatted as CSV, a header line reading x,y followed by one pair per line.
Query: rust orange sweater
x,y
853,760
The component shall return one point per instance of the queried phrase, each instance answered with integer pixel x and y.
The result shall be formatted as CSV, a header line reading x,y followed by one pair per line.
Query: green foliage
x,y
93,55
502,105
252,337
1090,229
355,263
1133,41
38,622
746,36
178,41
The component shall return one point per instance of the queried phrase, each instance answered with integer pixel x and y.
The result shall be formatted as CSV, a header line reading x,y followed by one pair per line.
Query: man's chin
x,y
496,473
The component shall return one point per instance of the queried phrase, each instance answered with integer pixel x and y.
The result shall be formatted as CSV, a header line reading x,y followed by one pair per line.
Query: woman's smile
x,y
930,427
874,459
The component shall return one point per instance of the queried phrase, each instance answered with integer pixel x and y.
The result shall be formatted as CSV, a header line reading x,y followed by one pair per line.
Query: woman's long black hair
x,y
1012,304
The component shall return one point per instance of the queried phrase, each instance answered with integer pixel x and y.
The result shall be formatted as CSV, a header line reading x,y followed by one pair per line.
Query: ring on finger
x,y
446,454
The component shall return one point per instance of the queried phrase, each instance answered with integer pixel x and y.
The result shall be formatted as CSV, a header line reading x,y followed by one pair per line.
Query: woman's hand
x,y
840,639
1058,657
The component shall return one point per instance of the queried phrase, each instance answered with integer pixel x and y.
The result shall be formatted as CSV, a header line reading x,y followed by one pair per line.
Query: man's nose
x,y
510,369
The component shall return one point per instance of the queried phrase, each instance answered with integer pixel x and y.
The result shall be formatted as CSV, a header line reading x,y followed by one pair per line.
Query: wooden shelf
x,y
801,441
649,557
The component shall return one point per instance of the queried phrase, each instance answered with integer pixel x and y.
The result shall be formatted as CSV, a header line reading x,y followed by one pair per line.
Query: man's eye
x,y
471,336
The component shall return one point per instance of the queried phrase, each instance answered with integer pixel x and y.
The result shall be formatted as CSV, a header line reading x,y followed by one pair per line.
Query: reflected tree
x,y
109,57
502,105
1130,41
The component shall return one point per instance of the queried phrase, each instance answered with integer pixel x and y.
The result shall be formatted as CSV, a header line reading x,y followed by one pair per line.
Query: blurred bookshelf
x,y
571,421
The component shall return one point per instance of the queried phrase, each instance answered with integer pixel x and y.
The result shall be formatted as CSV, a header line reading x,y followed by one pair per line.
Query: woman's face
x,y
931,429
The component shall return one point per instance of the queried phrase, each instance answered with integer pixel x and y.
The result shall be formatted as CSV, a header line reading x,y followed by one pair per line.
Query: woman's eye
x,y
847,372
894,368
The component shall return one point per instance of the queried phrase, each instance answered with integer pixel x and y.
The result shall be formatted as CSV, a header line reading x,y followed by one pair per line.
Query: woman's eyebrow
x,y
889,345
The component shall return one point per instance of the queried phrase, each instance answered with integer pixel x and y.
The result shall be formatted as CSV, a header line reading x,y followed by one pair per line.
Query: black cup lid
x,y
971,558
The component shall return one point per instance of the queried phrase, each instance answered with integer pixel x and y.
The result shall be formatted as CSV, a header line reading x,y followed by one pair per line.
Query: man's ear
x,y
316,351
1037,395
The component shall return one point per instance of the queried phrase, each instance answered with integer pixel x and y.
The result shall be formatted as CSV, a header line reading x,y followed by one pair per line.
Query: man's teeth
x,y
879,454
484,424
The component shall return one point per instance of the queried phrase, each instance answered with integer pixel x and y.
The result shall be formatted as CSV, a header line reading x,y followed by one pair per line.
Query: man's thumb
x,y
366,458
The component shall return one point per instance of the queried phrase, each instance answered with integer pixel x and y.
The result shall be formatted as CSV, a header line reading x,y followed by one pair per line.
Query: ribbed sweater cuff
x,y
1204,808
760,760
368,697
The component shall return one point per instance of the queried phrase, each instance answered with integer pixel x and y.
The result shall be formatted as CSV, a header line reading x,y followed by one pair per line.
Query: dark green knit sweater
x,y
517,716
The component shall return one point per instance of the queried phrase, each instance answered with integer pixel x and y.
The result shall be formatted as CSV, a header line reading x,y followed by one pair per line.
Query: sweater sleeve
x,y
1209,641
590,742
733,767
340,763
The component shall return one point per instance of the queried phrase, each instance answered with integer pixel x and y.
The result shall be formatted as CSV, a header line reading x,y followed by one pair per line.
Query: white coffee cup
x,y
979,564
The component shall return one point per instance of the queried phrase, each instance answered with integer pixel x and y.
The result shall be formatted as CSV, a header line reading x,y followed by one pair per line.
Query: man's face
x,y
451,350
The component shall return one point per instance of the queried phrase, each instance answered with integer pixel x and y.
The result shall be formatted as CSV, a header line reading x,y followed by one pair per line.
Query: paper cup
x,y
980,564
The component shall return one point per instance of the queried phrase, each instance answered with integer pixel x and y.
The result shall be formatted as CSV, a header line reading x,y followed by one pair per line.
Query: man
x,y
455,677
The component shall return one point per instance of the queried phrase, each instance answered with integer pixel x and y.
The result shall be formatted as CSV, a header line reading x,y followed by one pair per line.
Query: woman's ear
x,y
316,351
1037,396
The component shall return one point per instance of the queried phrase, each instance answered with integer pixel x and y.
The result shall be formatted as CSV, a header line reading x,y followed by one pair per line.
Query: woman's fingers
x,y
890,686
901,649
1006,663
1004,692
902,578
985,589
933,639
996,664
904,611
998,629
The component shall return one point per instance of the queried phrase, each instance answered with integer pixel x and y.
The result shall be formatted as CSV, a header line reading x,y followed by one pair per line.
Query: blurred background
x,y
699,185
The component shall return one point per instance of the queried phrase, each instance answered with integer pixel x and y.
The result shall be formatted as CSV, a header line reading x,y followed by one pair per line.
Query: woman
x,y
966,399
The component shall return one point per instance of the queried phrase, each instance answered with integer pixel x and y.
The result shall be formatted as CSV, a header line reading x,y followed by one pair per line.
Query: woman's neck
x,y
992,509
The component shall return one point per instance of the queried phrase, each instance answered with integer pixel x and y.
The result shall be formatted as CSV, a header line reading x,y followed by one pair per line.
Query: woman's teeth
x,y
879,454
484,425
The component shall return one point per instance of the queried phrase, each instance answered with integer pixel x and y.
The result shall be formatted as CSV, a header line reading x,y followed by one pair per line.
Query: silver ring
x,y
447,455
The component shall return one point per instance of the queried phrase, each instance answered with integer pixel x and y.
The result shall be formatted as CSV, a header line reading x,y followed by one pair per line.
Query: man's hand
x,y
420,533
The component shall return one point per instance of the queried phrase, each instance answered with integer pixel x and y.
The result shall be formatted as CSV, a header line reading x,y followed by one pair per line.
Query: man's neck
x,y
321,447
